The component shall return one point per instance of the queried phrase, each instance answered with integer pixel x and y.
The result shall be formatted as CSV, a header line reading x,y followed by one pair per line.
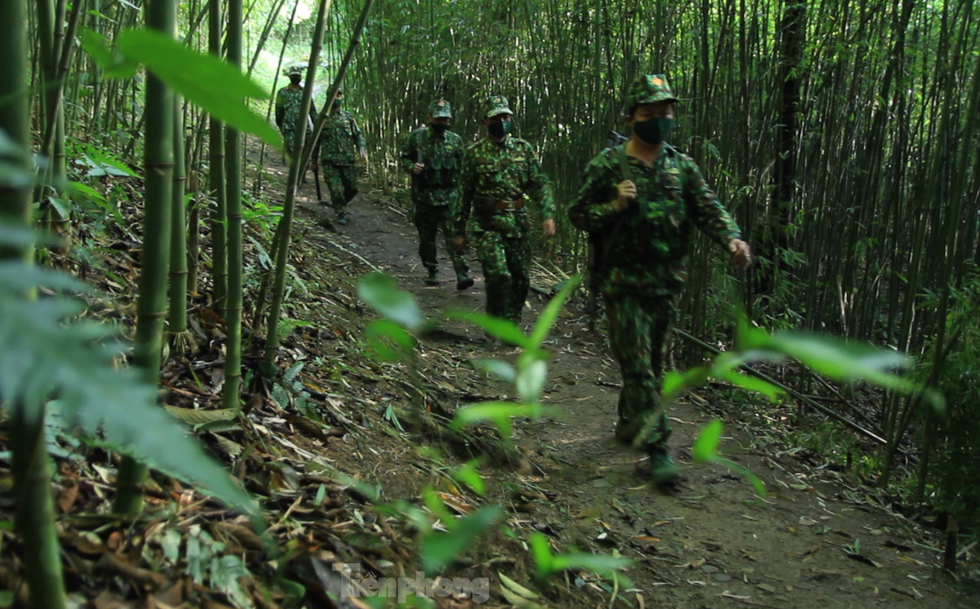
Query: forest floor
x,y
340,426
819,539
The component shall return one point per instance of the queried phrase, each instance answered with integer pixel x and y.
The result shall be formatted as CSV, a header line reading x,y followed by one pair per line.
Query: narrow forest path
x,y
712,542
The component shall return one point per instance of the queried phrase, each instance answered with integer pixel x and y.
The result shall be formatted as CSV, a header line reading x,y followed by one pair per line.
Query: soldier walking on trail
x,y
434,156
498,172
288,102
642,198
340,138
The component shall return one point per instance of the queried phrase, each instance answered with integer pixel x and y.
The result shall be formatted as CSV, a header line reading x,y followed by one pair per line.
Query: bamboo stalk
x,y
151,305
233,226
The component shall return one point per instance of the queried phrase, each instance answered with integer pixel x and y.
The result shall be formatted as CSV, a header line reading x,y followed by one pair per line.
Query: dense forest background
x,y
842,134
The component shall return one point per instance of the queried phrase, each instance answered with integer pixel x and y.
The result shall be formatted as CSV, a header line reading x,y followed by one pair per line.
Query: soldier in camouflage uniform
x,y
288,102
643,214
498,172
340,137
434,180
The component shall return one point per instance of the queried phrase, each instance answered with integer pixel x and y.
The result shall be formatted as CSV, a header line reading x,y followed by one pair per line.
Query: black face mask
x,y
439,128
295,79
653,131
500,128
338,104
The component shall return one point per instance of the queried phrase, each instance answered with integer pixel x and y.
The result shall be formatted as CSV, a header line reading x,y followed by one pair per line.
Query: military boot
x,y
433,278
342,217
463,280
663,470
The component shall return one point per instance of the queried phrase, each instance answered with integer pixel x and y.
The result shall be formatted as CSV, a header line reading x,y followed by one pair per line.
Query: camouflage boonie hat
x,y
440,108
649,89
497,104
295,69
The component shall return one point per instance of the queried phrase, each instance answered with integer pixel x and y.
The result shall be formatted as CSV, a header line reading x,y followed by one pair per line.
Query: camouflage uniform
x,y
503,172
340,138
642,267
288,102
434,191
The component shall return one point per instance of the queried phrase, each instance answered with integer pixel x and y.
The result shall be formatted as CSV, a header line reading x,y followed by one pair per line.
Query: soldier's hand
x,y
418,168
548,226
625,192
460,243
741,253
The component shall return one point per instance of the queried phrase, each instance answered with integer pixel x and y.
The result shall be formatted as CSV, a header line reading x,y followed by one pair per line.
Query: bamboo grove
x,y
842,133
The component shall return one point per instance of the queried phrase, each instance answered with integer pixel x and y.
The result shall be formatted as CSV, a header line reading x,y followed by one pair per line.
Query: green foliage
x,y
547,564
381,292
43,353
439,549
216,87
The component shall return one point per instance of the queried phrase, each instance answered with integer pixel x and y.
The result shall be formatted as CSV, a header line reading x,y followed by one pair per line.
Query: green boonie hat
x,y
649,89
297,69
497,104
440,108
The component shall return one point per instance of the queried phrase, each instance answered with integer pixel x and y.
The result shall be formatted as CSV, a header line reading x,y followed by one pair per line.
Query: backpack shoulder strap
x,y
624,164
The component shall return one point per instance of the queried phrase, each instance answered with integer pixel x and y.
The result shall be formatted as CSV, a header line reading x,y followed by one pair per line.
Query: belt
x,y
518,204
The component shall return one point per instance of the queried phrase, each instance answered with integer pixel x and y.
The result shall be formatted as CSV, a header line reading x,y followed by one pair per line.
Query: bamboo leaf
x,y
41,355
439,549
503,329
550,313
706,446
202,417
381,292
217,87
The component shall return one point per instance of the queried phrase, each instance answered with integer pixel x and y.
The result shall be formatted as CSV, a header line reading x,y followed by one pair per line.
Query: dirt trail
x,y
711,543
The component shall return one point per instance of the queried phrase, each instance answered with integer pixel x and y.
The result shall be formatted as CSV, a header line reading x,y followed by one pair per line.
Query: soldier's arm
x,y
595,205
704,208
358,136
539,187
280,109
406,152
467,184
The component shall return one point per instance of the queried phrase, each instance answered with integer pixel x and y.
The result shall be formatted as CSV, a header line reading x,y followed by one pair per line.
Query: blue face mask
x,y
500,128
653,131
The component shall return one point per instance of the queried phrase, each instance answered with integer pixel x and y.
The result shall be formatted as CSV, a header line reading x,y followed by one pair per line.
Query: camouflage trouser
x,y
638,331
428,220
287,145
505,261
341,181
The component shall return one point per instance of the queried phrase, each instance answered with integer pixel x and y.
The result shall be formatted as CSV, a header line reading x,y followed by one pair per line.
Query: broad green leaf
x,y
435,504
381,292
516,587
215,86
501,369
607,566
503,329
225,573
752,384
468,474
439,549
112,63
107,162
385,328
551,310
530,380
676,383
93,196
845,360
541,551
498,413
706,446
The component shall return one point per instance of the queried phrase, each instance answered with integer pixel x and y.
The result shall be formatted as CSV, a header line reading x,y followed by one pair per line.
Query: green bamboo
x,y
151,305
216,179
233,225
180,339
284,230
31,465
